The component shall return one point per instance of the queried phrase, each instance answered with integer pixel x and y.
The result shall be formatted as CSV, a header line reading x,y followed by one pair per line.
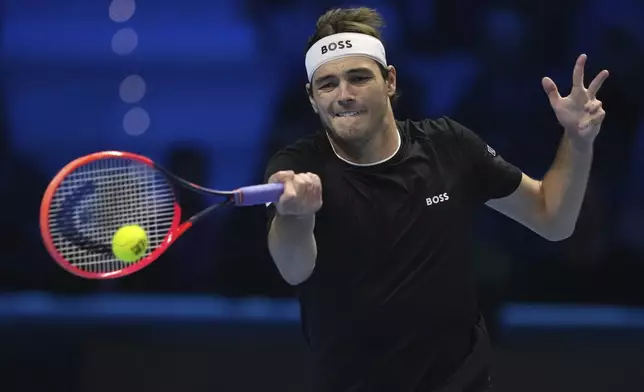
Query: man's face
x,y
351,97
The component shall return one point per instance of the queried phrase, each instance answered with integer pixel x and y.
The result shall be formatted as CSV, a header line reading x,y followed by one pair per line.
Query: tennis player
x,y
372,228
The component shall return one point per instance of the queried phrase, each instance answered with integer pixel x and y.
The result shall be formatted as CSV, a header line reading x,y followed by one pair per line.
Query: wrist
x,y
303,218
294,226
578,144
294,215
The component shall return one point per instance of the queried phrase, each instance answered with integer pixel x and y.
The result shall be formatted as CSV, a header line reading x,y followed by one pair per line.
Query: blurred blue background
x,y
211,90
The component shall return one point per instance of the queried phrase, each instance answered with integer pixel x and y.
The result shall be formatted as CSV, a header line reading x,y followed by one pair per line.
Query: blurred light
x,y
132,89
136,121
122,10
116,308
124,41
571,316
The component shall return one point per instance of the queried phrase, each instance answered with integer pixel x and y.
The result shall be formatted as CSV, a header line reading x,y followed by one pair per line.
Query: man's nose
x,y
346,94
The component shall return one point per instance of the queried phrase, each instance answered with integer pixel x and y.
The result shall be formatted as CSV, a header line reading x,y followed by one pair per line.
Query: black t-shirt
x,y
391,303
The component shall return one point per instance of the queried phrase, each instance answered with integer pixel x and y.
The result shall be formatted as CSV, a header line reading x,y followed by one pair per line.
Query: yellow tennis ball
x,y
130,243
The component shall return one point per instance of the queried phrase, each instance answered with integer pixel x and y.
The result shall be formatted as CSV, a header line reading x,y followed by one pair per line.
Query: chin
x,y
354,132
351,129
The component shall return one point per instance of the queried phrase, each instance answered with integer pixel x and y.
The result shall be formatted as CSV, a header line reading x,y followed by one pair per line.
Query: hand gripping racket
x,y
95,195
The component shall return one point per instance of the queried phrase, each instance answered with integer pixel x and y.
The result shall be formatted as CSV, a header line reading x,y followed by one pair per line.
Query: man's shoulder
x,y
303,144
301,155
303,148
435,129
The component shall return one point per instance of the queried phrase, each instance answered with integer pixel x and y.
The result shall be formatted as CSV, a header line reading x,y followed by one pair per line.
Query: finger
x,y
316,181
595,120
308,177
281,176
308,185
551,89
592,107
596,84
289,192
598,118
300,184
311,191
578,71
313,186
300,179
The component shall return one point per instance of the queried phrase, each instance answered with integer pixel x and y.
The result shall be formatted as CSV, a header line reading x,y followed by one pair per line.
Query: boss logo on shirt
x,y
437,199
336,45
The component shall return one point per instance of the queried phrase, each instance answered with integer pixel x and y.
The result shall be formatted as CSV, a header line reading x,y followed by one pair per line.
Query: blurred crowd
x,y
480,63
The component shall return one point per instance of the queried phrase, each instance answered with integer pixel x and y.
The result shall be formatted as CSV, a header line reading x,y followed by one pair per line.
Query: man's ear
x,y
391,81
309,92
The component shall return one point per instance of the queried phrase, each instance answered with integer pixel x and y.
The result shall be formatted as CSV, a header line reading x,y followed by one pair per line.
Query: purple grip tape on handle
x,y
258,194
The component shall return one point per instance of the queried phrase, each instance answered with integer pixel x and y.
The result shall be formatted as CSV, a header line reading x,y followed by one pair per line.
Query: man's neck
x,y
380,148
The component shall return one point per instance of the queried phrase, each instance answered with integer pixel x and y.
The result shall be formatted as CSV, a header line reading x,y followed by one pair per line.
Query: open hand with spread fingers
x,y
580,113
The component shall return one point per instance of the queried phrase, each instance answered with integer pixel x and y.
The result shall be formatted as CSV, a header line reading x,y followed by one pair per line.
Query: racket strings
x,y
97,199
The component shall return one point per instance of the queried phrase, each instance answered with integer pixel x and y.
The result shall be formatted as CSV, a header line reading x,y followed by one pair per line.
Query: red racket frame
x,y
176,229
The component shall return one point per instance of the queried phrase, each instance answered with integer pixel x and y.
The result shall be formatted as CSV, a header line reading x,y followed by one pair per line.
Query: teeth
x,y
347,114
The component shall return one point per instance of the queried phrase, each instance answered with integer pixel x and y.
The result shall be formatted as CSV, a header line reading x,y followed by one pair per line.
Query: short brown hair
x,y
348,20
361,20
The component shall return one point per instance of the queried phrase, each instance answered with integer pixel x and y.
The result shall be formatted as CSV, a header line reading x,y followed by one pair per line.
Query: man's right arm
x,y
292,245
291,239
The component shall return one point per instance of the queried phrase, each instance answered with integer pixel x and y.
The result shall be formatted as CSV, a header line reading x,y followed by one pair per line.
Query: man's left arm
x,y
551,207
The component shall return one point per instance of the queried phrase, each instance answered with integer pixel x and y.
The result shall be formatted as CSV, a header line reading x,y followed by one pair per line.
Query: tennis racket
x,y
95,195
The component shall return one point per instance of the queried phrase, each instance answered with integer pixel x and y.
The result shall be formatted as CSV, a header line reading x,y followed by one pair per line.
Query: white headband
x,y
343,45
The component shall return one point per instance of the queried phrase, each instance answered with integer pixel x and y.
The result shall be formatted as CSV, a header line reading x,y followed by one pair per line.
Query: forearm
x,y
292,245
564,187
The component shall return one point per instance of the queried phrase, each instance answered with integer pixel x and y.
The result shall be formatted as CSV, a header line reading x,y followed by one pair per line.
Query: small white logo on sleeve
x,y
491,151
437,199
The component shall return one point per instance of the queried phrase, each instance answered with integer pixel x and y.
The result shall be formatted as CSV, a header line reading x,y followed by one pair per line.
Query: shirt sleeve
x,y
489,175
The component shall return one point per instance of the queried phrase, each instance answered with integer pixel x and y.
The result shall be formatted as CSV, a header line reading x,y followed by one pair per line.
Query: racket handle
x,y
258,194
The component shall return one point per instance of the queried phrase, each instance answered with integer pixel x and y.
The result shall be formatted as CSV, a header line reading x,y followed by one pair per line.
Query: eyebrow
x,y
357,70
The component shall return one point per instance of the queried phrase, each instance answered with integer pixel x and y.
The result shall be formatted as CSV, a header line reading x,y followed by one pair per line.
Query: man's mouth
x,y
348,113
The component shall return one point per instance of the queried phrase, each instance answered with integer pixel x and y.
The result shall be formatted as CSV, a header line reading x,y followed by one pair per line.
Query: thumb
x,y
551,89
281,176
